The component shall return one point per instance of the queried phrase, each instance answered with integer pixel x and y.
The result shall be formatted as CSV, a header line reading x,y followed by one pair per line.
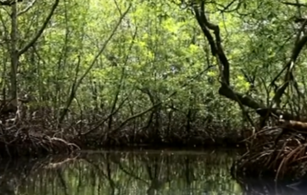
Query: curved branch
x,y
218,51
27,8
41,30
300,43
216,45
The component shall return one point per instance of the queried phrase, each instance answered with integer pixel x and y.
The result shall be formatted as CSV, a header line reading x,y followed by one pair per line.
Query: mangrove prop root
x,y
276,152
16,143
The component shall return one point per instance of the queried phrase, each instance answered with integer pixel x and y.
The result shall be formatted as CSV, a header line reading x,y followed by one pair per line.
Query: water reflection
x,y
125,173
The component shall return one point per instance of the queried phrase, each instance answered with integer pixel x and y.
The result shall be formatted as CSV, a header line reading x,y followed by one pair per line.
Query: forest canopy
x,y
135,64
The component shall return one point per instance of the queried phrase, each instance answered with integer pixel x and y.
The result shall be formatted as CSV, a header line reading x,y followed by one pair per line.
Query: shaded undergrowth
x,y
25,133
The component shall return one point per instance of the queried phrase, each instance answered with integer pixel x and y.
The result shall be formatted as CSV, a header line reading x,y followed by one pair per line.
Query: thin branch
x,y
294,4
27,8
161,102
103,46
77,83
299,45
118,8
41,30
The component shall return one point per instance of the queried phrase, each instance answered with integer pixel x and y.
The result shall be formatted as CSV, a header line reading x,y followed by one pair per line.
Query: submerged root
x,y
277,152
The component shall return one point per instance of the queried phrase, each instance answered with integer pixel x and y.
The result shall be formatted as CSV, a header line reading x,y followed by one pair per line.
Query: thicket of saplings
x,y
141,118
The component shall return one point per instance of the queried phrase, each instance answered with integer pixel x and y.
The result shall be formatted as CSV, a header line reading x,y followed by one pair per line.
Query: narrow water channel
x,y
130,173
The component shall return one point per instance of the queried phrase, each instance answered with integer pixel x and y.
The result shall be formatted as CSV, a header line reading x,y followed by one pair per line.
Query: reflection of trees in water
x,y
131,173
14,174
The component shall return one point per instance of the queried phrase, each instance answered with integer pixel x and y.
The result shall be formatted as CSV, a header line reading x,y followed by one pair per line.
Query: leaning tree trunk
x,y
212,34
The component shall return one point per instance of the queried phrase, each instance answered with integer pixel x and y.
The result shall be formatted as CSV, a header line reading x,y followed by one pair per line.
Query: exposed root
x,y
15,142
33,145
276,152
179,137
34,131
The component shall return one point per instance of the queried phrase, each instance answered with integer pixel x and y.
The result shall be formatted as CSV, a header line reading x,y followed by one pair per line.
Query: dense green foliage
x,y
140,64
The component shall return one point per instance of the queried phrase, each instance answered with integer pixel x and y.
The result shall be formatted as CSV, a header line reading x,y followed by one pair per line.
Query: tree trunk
x,y
14,52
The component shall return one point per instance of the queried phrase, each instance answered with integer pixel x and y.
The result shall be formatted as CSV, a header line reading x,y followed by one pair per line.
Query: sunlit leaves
x,y
242,84
159,45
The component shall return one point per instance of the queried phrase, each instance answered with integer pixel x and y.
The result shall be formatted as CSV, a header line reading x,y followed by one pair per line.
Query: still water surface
x,y
130,173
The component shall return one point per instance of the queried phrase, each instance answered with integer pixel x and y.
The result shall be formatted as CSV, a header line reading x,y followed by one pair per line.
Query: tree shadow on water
x,y
127,173
269,187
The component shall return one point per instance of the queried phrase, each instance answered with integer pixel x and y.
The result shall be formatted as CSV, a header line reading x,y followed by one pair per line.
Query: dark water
x,y
131,173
